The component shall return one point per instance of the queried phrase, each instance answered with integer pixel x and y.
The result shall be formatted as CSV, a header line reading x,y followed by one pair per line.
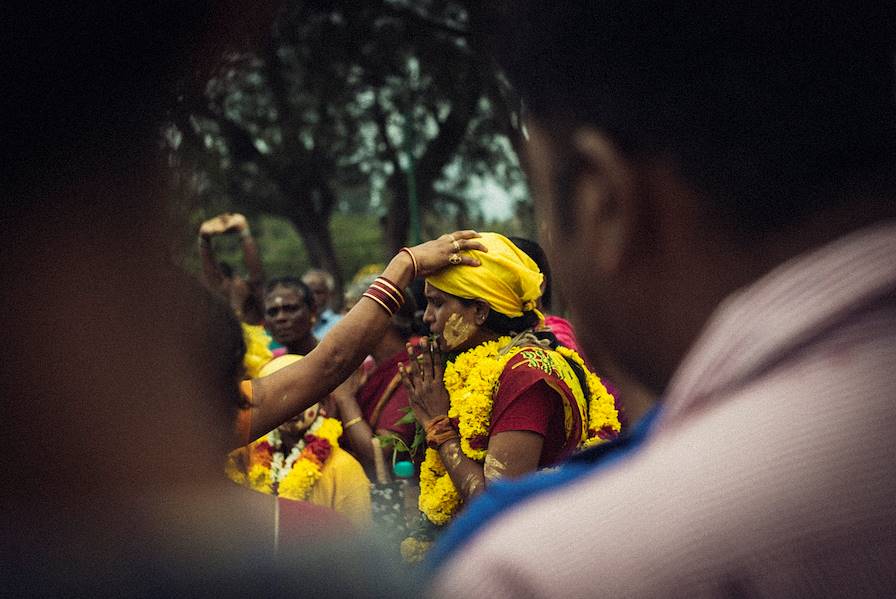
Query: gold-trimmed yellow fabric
x,y
508,279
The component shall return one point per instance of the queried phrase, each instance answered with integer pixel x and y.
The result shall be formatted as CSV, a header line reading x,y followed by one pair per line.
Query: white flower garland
x,y
280,465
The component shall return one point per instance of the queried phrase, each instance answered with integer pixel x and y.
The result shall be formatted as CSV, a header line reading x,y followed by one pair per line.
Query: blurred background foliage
x,y
359,127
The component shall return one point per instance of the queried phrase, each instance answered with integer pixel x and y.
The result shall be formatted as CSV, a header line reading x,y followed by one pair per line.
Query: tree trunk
x,y
314,229
398,219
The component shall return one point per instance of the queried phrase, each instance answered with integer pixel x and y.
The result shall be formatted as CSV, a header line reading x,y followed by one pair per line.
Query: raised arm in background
x,y
245,295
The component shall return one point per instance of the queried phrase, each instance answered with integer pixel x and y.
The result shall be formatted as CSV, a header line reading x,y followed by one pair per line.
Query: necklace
x,y
269,470
472,381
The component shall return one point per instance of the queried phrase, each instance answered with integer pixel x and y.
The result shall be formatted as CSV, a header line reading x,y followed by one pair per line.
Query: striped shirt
x,y
769,472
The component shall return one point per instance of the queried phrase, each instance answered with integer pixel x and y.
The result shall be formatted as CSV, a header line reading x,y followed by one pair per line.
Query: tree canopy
x,y
365,106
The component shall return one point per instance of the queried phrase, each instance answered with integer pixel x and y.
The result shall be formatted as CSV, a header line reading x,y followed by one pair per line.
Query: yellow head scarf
x,y
508,279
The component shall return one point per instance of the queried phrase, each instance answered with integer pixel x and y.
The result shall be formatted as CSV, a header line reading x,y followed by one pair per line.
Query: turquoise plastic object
x,y
403,469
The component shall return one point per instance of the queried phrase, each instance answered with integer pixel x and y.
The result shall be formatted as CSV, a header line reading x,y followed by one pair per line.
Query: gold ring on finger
x,y
454,259
456,245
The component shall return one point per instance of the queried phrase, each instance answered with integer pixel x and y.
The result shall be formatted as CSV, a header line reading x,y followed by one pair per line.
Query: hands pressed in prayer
x,y
423,378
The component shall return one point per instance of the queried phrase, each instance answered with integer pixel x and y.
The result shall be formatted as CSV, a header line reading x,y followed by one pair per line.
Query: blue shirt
x,y
503,495
325,322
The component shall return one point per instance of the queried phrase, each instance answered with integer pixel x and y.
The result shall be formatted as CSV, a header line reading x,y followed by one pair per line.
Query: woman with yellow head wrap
x,y
508,280
509,400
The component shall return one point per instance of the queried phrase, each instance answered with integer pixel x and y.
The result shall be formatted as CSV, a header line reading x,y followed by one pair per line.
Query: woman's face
x,y
457,324
286,315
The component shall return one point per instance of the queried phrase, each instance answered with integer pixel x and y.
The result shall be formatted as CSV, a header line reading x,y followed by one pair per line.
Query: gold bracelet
x,y
352,422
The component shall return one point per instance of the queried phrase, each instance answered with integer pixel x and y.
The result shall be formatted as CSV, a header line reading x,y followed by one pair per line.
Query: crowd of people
x,y
483,390
715,190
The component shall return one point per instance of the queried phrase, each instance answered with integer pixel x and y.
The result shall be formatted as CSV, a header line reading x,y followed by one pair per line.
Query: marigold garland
x,y
470,381
603,417
257,352
293,476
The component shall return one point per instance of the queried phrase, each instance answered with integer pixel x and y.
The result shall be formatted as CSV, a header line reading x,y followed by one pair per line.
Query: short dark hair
x,y
293,283
535,251
762,106
503,324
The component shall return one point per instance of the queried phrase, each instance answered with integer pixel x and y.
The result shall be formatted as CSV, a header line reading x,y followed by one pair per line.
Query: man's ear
x,y
605,198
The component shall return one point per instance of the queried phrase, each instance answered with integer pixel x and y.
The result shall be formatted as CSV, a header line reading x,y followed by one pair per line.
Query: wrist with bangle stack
x,y
386,294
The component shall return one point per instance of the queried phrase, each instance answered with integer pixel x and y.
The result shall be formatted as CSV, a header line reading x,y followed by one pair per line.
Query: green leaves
x,y
397,443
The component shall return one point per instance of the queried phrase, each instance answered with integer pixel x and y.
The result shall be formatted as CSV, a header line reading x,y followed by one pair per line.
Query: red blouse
x,y
530,398
383,380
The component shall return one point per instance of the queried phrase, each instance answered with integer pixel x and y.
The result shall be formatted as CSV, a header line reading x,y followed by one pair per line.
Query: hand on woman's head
x,y
450,249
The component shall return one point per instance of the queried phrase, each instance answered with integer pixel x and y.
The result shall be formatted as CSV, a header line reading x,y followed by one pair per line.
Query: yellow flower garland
x,y
301,477
470,381
602,412
257,352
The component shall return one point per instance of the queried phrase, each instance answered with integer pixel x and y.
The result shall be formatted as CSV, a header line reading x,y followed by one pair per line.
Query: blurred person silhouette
x,y
715,190
322,286
117,405
107,352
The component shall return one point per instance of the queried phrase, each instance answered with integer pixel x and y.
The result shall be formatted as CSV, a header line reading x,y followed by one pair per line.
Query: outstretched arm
x,y
280,396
